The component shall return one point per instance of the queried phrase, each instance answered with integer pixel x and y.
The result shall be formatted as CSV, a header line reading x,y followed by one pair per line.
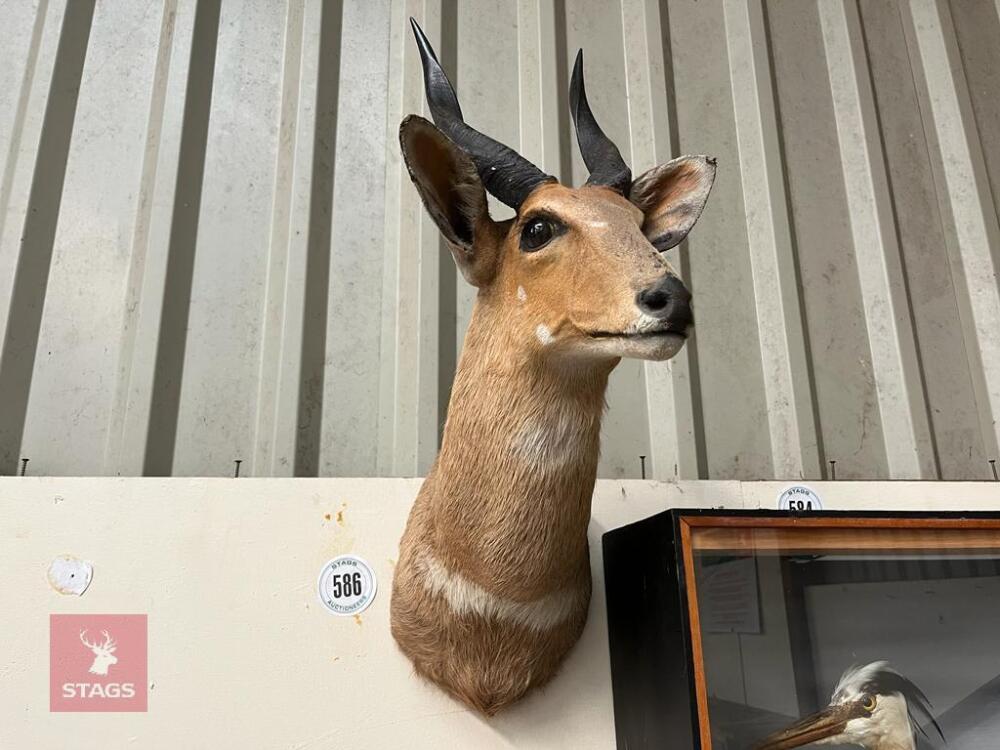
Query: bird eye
x,y
868,702
536,234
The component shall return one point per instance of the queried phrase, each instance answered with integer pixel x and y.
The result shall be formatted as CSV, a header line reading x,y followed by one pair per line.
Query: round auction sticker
x,y
799,498
347,585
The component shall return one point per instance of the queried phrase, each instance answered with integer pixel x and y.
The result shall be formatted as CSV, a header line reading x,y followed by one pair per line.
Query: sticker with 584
x,y
347,585
799,499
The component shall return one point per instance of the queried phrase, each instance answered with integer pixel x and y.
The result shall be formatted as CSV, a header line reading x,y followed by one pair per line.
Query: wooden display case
x,y
728,628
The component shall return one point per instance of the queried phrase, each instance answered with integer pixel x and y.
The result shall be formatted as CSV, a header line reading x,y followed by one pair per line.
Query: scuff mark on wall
x,y
342,532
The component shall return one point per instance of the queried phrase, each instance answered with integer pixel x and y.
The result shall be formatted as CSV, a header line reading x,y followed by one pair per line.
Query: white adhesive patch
x,y
70,575
521,294
544,334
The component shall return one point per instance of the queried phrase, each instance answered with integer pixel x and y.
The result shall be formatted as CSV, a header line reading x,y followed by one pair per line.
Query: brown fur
x,y
506,504
518,532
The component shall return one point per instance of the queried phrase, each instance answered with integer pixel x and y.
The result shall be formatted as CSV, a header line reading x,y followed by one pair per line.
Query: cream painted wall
x,y
242,654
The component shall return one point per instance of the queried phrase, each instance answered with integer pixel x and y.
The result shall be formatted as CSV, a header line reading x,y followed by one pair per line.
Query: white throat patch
x,y
552,442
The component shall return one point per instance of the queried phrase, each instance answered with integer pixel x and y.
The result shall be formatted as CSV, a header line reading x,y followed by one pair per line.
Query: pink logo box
x,y
97,662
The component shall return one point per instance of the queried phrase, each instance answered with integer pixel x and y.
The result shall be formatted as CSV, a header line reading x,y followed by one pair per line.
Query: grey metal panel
x,y
736,433
215,401
350,393
67,418
210,250
784,357
936,318
977,28
844,386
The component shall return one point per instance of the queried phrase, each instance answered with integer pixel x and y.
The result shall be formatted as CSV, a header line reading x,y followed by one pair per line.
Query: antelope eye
x,y
537,233
868,702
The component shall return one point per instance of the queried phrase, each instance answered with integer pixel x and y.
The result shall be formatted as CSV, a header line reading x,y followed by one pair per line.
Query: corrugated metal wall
x,y
209,250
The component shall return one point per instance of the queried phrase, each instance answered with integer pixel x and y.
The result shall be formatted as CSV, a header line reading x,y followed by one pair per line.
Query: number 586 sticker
x,y
347,585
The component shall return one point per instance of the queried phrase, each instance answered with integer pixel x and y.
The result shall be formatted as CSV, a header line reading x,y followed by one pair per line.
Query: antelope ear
x,y
672,197
449,185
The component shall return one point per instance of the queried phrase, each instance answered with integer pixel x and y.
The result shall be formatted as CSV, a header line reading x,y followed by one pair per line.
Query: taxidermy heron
x,y
872,706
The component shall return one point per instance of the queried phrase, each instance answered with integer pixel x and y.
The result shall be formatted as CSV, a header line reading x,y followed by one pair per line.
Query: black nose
x,y
669,300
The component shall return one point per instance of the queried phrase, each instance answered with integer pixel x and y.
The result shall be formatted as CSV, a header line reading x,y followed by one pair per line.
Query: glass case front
x,y
844,632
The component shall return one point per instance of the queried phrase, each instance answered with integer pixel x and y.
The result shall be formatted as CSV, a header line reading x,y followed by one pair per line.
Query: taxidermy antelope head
x,y
493,581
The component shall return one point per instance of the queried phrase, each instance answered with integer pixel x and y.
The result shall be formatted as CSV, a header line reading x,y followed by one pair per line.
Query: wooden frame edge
x,y
694,624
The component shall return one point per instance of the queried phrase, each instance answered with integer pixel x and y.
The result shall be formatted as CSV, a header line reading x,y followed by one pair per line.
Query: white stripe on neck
x,y
465,597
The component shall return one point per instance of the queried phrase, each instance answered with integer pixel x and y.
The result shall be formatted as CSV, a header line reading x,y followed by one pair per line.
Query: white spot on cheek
x,y
544,334
597,224
521,294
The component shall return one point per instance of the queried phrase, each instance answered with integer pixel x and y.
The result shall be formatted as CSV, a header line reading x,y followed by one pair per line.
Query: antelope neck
x,y
511,488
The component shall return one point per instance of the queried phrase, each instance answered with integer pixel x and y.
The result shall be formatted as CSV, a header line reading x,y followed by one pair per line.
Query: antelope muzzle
x,y
668,300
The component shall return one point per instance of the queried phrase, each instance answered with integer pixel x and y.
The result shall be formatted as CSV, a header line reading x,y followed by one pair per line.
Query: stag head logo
x,y
104,653
82,679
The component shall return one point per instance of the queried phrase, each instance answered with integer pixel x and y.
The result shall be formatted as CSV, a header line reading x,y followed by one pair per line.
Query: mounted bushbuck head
x,y
493,581
104,653
579,271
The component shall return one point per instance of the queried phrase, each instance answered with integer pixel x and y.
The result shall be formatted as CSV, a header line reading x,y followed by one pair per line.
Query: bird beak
x,y
827,723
